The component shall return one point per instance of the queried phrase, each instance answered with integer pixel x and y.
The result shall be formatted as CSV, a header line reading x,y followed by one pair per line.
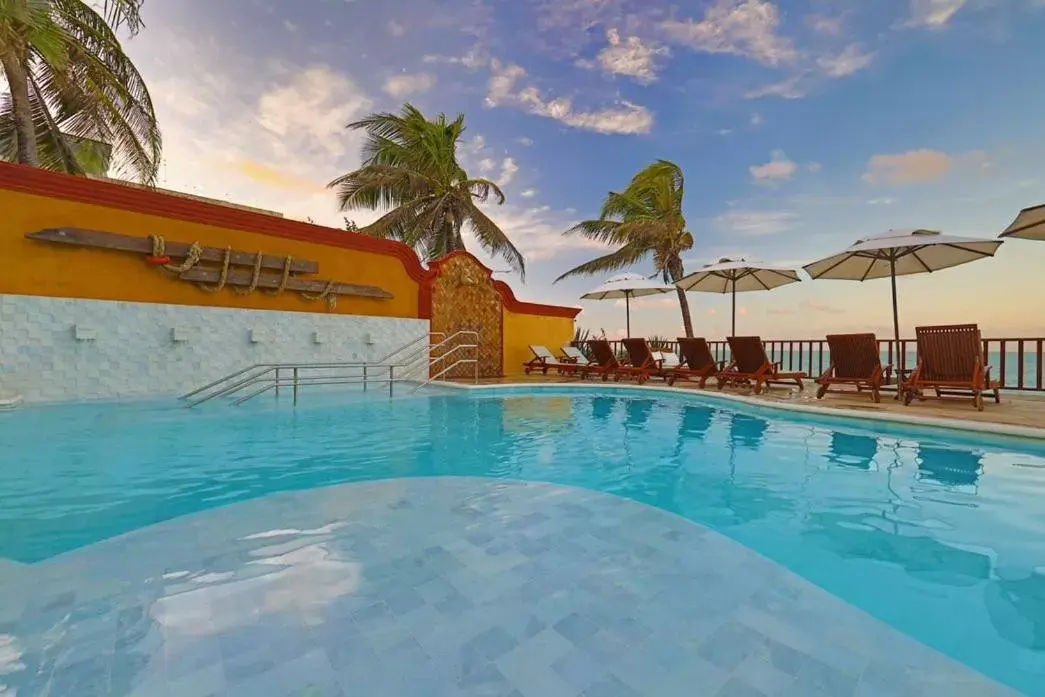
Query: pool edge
x,y
996,429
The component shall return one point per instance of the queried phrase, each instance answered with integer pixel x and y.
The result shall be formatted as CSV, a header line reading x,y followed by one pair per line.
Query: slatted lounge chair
x,y
697,361
605,363
543,360
950,363
667,359
642,364
855,361
572,354
750,364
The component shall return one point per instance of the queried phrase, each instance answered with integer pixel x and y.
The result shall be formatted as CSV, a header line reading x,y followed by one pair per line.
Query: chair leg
x,y
821,391
977,400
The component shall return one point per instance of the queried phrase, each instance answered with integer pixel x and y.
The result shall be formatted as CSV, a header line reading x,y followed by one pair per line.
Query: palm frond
x,y
614,261
482,188
492,238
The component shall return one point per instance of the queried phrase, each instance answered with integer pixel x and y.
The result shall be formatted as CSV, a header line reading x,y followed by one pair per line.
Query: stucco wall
x,y
522,330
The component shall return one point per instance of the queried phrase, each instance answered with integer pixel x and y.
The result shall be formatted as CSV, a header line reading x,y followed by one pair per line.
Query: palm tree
x,y
410,166
645,219
70,82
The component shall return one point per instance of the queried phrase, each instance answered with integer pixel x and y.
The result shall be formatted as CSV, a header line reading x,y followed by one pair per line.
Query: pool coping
x,y
995,429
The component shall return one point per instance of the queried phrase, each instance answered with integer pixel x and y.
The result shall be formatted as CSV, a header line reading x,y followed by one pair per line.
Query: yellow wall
x,y
41,268
520,331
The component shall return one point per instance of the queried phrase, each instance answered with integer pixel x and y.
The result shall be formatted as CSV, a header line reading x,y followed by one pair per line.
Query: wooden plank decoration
x,y
176,250
238,277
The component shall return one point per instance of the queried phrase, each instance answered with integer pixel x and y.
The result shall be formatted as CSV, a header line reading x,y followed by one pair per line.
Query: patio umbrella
x,y
901,253
627,286
1029,224
737,276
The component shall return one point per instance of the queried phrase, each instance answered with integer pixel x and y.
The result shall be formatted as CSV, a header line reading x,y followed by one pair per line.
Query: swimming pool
x,y
935,533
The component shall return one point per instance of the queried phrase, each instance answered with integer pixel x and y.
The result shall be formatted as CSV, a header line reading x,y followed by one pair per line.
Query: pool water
x,y
937,534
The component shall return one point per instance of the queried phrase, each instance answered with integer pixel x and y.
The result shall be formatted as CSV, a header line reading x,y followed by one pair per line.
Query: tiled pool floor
x,y
443,586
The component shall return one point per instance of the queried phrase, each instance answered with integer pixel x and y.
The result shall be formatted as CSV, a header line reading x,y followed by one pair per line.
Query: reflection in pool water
x,y
937,536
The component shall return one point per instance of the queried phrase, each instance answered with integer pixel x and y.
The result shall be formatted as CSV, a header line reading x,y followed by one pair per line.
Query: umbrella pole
x,y
734,330
627,313
900,353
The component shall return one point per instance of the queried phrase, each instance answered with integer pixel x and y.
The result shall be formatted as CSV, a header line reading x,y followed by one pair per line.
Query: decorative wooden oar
x,y
98,239
242,277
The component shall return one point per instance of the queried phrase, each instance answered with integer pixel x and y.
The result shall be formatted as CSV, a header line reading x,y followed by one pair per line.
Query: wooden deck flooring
x,y
1014,410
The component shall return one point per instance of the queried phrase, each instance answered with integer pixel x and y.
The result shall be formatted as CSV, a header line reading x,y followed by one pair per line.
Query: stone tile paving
x,y
444,586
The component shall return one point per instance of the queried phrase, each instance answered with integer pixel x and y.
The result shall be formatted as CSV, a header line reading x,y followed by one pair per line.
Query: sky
x,y
801,126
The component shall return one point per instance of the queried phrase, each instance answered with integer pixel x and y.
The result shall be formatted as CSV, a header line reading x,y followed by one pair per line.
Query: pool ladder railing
x,y
405,364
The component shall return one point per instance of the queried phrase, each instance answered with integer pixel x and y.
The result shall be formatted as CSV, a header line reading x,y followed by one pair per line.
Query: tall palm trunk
x,y
676,273
25,130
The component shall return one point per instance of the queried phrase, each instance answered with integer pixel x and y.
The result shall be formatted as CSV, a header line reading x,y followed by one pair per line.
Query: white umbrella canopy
x,y
627,286
737,276
1029,224
901,253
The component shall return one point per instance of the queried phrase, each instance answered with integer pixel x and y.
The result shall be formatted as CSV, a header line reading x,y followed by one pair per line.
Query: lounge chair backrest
x,y
603,353
543,353
748,353
695,352
639,353
949,352
854,355
575,353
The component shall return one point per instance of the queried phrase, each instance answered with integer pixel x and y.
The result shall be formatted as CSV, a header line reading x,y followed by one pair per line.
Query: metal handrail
x,y
268,374
447,369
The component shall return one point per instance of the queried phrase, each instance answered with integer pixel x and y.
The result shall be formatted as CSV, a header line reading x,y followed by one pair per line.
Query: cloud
x,y
933,14
525,142
746,28
395,28
886,201
814,167
911,167
400,86
537,231
486,164
503,90
851,60
528,193
756,119
475,57
756,223
778,169
650,301
723,131
262,134
818,306
829,26
629,57
508,170
780,311
791,88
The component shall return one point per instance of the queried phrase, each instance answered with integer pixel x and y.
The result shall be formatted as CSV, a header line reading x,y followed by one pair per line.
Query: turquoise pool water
x,y
937,534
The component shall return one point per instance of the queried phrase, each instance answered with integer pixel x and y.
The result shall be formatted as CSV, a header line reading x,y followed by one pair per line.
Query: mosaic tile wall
x,y
58,349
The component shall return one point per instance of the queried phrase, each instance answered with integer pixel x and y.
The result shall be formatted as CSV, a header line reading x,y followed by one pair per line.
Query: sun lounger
x,y
697,361
606,363
855,361
643,364
572,354
950,362
666,359
750,364
543,360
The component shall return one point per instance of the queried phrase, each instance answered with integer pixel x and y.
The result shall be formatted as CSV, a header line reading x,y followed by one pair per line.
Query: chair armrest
x,y
778,365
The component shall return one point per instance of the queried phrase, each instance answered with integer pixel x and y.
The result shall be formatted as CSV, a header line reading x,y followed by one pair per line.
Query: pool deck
x,y
445,587
1014,410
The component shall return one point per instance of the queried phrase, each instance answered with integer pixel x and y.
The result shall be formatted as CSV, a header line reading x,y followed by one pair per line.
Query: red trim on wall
x,y
511,303
40,182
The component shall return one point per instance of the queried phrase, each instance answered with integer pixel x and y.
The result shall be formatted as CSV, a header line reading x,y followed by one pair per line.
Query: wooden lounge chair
x,y
750,364
572,354
855,361
605,363
643,365
697,362
950,362
544,360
